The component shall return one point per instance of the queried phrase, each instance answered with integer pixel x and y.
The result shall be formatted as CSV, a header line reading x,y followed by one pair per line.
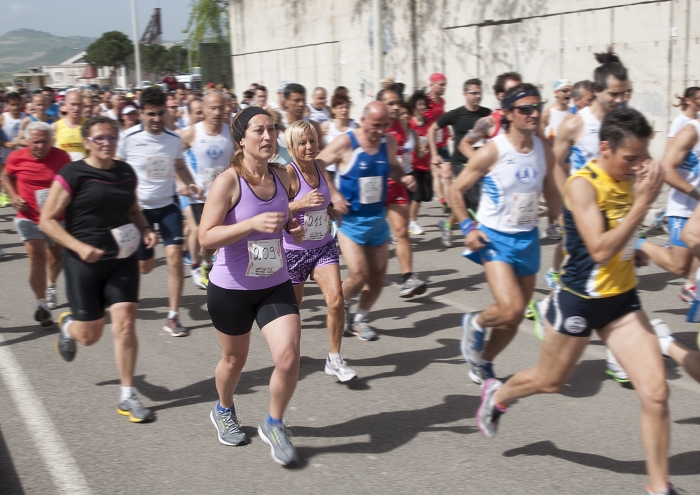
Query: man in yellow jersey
x,y
67,130
598,288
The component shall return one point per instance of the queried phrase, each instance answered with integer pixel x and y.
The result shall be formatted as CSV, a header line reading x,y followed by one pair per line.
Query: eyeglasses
x,y
475,93
529,109
103,139
156,114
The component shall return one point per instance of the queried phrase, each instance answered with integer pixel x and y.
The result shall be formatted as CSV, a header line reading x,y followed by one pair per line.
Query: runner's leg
x,y
283,336
328,279
123,316
234,353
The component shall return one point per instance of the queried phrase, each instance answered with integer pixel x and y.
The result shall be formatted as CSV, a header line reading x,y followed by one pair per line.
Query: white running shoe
x,y
51,297
553,232
339,367
664,333
415,229
614,369
197,277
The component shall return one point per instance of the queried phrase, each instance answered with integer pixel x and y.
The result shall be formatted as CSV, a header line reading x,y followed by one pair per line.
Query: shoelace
x,y
231,422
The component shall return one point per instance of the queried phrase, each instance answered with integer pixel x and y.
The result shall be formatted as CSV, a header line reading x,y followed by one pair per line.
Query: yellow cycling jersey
x,y
70,140
580,274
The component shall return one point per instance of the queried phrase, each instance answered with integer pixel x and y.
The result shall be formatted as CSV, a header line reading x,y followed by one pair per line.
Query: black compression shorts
x,y
424,186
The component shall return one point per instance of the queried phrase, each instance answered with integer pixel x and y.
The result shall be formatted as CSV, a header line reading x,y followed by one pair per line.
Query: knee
x,y
287,362
400,229
232,361
512,316
360,274
125,331
550,386
655,397
335,302
91,337
37,258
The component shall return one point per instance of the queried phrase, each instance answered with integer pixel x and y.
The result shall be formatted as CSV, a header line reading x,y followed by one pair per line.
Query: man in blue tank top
x,y
366,158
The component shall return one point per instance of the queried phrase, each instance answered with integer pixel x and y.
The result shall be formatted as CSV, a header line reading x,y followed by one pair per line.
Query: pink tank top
x,y
256,261
316,232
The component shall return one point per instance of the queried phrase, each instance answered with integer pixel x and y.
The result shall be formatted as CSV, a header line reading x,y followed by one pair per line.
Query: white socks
x,y
127,392
333,356
360,315
172,314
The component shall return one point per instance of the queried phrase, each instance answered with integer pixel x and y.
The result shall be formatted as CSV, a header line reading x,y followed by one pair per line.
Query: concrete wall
x,y
328,43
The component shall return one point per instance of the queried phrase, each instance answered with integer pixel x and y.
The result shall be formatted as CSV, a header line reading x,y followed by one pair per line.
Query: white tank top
x,y
319,116
556,117
510,193
680,204
588,147
333,133
10,130
677,124
208,156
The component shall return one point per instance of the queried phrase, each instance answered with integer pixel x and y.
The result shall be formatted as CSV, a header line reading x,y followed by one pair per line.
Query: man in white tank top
x,y
554,114
10,124
514,168
209,149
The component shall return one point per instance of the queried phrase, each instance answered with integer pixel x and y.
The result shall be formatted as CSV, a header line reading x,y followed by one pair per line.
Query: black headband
x,y
241,122
520,94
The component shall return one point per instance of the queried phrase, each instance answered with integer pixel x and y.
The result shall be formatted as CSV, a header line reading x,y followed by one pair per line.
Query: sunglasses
x,y
529,109
475,93
103,139
156,114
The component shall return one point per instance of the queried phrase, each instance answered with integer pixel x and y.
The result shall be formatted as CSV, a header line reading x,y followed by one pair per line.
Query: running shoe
x,y
551,278
480,373
363,331
664,334
445,208
51,297
668,491
489,413
186,258
228,427
553,232
539,309
339,367
174,328
65,346
43,315
136,411
4,200
687,293
415,229
529,314
392,239
412,287
196,274
204,278
472,340
347,329
446,234
277,436
614,369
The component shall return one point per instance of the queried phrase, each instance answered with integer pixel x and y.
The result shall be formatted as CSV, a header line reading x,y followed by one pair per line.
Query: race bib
x,y
40,195
438,135
76,155
407,165
158,168
315,225
423,140
370,190
128,239
210,174
264,258
524,209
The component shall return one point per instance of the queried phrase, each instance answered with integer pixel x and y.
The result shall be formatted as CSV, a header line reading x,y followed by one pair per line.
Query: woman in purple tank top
x,y
244,215
317,255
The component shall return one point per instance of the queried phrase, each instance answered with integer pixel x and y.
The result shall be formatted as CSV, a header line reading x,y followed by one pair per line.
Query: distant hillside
x,y
23,48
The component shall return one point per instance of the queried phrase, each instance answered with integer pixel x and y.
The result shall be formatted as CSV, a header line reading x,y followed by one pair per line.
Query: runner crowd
x,y
257,195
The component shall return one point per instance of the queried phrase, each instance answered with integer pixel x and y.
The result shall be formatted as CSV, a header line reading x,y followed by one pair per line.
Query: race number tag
x,y
524,209
315,225
76,155
158,168
438,135
128,239
423,140
407,165
370,190
210,174
40,195
264,258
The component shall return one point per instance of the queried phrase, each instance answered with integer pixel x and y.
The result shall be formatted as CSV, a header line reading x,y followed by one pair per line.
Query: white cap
x,y
129,109
561,83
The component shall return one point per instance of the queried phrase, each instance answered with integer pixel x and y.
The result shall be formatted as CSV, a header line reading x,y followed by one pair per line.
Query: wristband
x,y
330,204
640,241
467,225
695,193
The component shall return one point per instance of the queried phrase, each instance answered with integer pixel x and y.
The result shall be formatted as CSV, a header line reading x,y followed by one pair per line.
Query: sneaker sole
x,y
619,380
184,333
218,434
473,377
264,438
478,411
376,337
132,418
331,372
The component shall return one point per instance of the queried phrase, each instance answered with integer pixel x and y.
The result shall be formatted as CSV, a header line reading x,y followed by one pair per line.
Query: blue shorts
x,y
169,220
366,230
693,315
675,227
521,250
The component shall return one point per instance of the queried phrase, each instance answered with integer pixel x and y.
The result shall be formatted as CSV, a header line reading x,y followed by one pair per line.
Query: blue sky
x,y
92,17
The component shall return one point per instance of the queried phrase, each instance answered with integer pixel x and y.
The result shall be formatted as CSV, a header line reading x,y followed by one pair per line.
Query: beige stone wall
x,y
327,43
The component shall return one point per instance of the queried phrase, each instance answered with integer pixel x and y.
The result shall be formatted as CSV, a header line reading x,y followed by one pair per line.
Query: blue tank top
x,y
49,120
364,181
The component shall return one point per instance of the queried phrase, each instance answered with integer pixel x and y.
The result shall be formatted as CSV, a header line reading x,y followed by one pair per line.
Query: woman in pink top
x,y
243,217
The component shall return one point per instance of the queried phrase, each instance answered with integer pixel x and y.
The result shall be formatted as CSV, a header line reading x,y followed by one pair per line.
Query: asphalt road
x,y
406,425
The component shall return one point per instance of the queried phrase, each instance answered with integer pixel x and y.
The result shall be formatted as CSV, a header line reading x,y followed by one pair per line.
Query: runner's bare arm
x,y
551,191
435,157
545,119
674,157
566,134
481,130
20,137
319,133
335,153
691,233
483,160
185,177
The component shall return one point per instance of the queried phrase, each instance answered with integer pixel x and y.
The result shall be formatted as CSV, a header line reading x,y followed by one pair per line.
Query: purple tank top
x,y
256,261
317,234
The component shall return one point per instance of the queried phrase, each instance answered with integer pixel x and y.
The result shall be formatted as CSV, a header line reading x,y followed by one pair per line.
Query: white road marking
x,y
66,474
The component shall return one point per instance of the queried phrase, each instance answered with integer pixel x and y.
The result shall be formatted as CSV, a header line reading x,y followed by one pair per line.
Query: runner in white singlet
x,y
342,123
318,110
10,124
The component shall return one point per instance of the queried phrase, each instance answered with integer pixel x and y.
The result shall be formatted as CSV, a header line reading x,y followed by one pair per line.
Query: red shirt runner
x,y
421,164
33,178
436,109
396,192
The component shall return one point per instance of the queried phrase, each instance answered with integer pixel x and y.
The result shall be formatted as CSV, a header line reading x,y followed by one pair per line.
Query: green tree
x,y
208,22
153,59
176,58
112,49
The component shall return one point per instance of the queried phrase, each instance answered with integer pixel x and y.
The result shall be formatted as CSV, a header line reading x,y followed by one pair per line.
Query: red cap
x,y
436,76
210,85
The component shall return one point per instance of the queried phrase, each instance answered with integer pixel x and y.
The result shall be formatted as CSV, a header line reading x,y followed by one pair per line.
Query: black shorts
x,y
471,195
424,186
197,209
233,311
169,220
92,287
576,316
444,153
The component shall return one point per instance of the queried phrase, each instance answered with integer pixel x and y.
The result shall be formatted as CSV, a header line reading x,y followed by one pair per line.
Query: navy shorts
x,y
301,262
578,316
169,220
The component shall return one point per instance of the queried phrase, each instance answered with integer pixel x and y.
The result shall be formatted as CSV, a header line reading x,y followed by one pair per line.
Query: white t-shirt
x,y
677,124
152,156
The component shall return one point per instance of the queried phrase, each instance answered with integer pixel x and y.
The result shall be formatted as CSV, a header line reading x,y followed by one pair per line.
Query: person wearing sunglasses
x,y
514,168
103,228
155,153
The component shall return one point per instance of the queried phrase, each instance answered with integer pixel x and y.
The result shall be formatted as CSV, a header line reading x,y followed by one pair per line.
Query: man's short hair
x,y
471,82
621,124
291,88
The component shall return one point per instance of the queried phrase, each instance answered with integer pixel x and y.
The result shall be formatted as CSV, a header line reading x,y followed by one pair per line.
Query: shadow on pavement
x,y
195,305
656,282
390,430
32,332
687,463
9,480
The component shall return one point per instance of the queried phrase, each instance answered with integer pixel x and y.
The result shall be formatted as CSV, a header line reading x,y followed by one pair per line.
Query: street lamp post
x,y
137,53
377,44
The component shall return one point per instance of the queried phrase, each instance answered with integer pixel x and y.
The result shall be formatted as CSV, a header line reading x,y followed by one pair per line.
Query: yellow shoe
x,y
204,277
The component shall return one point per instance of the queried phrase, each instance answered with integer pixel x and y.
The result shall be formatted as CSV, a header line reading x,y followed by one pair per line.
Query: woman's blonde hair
x,y
294,134
236,162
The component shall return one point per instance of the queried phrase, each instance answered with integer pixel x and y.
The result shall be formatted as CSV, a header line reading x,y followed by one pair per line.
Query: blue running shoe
x,y
551,278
